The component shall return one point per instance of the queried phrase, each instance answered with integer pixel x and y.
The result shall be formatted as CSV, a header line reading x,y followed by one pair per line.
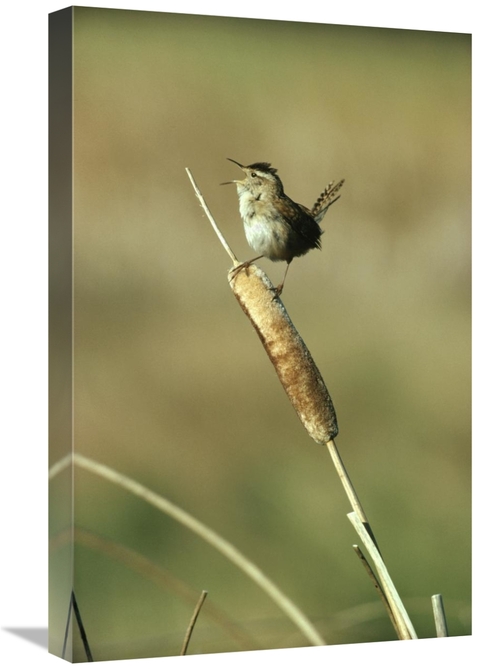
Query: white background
x,y
23,326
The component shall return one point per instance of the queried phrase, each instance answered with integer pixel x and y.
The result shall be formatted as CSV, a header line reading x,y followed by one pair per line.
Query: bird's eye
x,y
254,174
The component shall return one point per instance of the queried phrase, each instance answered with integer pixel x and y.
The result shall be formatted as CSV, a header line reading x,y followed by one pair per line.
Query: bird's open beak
x,y
234,181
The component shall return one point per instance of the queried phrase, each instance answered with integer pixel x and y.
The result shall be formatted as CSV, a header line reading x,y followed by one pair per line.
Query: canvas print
x,y
260,432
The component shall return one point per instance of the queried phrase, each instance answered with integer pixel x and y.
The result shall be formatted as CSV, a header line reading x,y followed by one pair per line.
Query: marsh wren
x,y
276,227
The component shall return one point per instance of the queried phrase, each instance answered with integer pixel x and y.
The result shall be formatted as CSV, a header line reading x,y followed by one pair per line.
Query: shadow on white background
x,y
37,635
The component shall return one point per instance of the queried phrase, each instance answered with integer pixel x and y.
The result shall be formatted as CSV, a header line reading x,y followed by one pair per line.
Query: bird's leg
x,y
279,289
243,265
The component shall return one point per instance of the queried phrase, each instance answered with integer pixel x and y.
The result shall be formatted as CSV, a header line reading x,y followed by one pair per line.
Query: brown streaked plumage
x,y
275,226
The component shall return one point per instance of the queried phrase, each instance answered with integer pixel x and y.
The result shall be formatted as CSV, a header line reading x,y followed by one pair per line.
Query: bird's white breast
x,y
265,234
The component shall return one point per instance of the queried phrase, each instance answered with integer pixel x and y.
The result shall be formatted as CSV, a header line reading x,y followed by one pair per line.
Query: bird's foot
x,y
277,291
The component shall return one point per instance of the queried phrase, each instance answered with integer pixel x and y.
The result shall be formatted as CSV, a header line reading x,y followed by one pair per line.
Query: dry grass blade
x,y
376,584
222,545
192,622
157,574
403,623
439,616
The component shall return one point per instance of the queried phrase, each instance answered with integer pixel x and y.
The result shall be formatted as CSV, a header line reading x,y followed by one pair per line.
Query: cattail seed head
x,y
287,351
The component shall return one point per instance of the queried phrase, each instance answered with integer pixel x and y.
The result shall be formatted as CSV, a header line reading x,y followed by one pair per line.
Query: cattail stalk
x,y
307,392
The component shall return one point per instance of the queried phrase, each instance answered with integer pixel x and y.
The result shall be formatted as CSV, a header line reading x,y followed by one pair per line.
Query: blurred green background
x,y
172,386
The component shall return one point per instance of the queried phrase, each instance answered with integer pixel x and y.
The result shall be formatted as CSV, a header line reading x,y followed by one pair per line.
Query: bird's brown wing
x,y
302,223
